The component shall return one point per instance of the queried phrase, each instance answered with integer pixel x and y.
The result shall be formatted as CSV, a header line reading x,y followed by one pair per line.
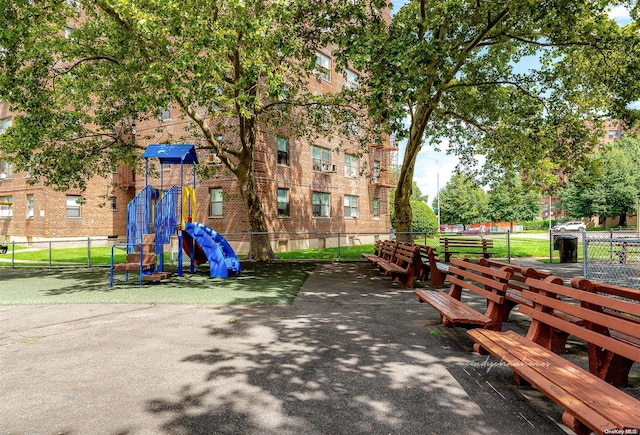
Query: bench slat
x,y
487,294
452,309
599,405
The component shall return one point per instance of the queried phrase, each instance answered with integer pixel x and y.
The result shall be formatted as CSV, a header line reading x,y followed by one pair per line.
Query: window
x,y
323,66
351,79
73,205
6,169
350,166
165,114
350,206
320,202
5,123
6,203
283,151
283,202
375,176
376,207
114,203
215,209
613,134
321,159
30,206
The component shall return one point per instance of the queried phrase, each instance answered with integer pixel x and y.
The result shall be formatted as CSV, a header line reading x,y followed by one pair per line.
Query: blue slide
x,y
210,247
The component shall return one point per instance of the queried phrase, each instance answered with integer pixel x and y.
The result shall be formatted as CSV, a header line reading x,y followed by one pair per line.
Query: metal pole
x,y
88,251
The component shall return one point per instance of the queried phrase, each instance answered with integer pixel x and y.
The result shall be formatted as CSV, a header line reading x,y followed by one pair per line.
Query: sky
x,y
433,169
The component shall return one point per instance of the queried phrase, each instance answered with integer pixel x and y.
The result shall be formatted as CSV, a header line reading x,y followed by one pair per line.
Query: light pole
x,y
438,191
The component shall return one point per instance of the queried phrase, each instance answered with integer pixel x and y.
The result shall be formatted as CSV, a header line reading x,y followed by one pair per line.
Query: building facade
x,y
305,189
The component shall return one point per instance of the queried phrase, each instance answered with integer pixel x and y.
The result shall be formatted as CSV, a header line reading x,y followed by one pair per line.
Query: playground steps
x,y
148,256
156,276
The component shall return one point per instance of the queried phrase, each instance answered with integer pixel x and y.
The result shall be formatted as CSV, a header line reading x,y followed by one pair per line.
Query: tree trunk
x,y
623,220
260,245
404,189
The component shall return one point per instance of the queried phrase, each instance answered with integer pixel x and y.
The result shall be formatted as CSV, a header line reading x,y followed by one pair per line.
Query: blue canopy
x,y
172,154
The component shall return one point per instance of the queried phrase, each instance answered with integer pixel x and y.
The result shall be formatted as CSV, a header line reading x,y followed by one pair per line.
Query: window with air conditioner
x,y
212,159
351,206
322,160
350,166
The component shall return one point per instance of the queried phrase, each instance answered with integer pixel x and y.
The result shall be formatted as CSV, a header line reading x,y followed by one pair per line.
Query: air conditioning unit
x,y
2,130
212,159
3,175
355,214
329,168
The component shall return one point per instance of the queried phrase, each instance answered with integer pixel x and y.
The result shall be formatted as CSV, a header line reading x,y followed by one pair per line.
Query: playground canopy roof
x,y
172,154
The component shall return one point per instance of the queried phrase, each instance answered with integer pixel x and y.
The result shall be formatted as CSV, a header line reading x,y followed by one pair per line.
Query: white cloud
x,y
619,13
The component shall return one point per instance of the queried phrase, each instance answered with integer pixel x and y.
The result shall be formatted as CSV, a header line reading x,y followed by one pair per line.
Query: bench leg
x,y
609,366
574,424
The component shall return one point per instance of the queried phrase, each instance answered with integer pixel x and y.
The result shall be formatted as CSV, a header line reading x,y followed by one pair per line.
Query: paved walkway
x,y
351,356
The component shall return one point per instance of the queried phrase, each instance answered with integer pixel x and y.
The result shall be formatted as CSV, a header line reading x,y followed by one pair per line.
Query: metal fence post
x,y
508,246
13,255
88,251
550,246
585,254
50,253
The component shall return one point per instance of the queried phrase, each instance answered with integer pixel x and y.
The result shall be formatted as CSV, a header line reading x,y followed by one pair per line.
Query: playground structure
x,y
155,215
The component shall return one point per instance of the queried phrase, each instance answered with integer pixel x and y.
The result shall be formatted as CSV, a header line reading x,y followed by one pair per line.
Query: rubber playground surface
x,y
259,284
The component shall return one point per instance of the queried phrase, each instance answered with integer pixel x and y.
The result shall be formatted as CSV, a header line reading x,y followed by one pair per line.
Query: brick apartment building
x,y
304,189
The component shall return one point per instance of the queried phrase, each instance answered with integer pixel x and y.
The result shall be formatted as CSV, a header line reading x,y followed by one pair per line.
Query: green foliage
x,y
449,67
462,201
424,219
609,185
510,200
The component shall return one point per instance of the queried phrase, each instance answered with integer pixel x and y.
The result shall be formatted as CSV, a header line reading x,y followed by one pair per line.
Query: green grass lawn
x,y
274,283
520,247
99,255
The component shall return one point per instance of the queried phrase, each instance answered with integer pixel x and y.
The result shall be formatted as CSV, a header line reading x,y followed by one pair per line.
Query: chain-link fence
x,y
612,257
328,246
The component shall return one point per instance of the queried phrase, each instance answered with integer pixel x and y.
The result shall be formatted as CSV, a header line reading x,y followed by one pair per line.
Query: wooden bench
x,y
484,281
377,252
610,366
432,268
589,402
458,245
402,266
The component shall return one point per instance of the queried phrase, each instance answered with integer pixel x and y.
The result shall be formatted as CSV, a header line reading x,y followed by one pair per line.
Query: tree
x,y
235,66
450,67
510,200
609,186
462,201
424,219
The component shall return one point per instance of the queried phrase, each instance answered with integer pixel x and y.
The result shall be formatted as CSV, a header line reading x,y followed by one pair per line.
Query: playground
x,y
156,215
259,284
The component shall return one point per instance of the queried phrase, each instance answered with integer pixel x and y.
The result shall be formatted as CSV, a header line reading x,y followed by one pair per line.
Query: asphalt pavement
x,y
352,355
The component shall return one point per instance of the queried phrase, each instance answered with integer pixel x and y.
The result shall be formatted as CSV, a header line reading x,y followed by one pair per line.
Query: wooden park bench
x,y
459,245
377,253
486,282
142,260
403,264
432,268
610,366
590,403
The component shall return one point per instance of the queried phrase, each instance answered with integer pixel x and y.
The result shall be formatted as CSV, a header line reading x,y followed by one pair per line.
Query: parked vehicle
x,y
570,226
